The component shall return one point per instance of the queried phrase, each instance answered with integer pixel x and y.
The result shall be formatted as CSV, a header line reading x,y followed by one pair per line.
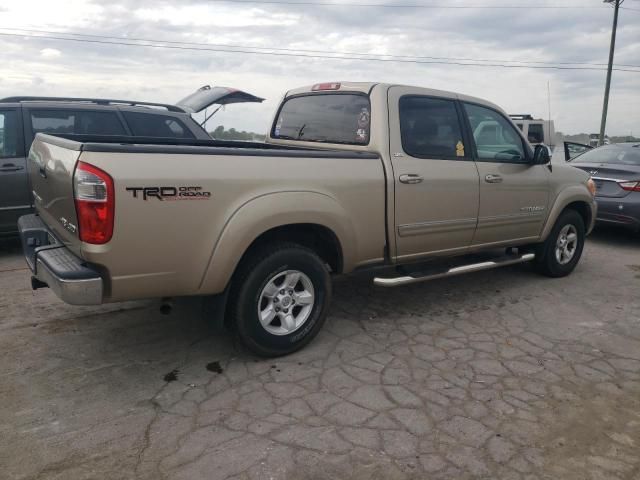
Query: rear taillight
x,y
630,186
95,201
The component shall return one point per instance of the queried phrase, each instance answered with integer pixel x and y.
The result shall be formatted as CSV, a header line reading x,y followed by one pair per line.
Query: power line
x,y
389,5
303,55
298,50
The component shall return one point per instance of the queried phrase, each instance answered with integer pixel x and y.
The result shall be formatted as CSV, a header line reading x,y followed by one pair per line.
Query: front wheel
x,y
279,299
560,253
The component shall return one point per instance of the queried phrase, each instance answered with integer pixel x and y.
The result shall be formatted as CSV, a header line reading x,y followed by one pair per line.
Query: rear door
x,y
15,199
436,180
514,194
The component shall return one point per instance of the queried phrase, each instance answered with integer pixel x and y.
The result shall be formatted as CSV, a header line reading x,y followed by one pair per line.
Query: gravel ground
x,y
500,375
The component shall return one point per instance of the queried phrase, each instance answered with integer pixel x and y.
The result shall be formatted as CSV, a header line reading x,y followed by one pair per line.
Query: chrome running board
x,y
450,272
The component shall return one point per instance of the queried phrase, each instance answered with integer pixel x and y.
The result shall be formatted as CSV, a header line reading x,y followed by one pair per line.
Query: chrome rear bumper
x,y
71,279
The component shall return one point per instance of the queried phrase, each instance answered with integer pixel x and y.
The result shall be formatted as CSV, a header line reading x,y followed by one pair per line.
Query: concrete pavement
x,y
501,374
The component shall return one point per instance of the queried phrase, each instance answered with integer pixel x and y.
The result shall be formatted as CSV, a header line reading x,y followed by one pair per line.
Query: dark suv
x,y
22,117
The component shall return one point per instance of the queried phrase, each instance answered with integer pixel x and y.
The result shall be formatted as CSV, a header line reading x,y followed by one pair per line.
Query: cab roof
x,y
367,87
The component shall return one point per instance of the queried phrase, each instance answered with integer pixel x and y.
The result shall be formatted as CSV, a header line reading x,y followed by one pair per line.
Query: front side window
x,y
153,125
8,134
325,118
430,128
496,138
82,122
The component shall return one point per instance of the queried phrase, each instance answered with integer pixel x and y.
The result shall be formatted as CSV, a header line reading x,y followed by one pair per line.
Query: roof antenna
x,y
551,140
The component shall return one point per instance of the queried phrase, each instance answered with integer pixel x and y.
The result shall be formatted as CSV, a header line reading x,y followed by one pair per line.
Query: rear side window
x,y
152,125
8,134
326,118
83,122
430,128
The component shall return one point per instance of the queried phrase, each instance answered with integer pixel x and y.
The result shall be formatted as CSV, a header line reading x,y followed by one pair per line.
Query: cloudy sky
x,y
211,39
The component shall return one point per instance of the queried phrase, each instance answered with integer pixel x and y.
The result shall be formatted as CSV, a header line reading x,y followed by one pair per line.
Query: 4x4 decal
x,y
169,193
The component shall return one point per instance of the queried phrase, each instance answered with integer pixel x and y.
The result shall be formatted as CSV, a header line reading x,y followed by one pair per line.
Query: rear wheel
x,y
279,299
560,253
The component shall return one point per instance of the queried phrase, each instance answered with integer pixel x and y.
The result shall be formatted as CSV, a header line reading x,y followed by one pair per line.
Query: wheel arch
x,y
583,209
311,219
574,198
314,236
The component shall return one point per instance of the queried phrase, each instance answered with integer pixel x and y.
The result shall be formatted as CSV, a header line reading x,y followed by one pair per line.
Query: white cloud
x,y
47,13
50,53
205,16
161,74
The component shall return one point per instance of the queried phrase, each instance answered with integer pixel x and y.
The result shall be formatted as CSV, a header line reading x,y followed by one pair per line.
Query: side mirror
x,y
541,155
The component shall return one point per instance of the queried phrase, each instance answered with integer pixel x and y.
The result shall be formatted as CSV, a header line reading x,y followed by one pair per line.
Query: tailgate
x,y
51,165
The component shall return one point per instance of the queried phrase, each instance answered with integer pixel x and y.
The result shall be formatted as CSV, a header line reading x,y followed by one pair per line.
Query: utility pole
x,y
605,106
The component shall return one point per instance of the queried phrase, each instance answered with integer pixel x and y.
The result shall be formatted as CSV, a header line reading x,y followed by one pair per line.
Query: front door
x,y
514,193
15,199
436,180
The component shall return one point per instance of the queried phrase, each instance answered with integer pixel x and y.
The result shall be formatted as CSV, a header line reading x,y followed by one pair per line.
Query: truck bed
x,y
170,245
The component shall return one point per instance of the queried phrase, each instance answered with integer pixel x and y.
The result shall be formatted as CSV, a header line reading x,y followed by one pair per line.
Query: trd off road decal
x,y
169,193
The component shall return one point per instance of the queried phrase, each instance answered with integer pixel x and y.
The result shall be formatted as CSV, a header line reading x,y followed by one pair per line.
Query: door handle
x,y
42,171
10,167
493,178
411,178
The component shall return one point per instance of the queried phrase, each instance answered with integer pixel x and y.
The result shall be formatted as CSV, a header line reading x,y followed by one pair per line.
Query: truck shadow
x,y
615,237
9,246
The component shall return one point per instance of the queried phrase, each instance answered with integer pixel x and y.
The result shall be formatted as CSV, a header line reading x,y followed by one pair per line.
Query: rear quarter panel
x,y
186,247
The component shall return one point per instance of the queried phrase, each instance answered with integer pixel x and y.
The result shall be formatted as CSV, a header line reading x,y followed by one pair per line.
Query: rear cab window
x,y
154,125
341,118
83,122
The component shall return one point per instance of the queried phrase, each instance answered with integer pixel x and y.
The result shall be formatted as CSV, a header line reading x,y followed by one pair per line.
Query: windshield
x,y
328,118
615,154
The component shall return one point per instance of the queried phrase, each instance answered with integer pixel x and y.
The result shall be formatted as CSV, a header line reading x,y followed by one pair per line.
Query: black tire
x,y
258,269
546,260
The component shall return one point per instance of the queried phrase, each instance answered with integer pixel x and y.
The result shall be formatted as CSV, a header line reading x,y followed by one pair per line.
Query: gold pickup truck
x,y
412,183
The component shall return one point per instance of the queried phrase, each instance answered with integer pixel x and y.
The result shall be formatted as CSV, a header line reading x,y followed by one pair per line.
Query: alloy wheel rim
x,y
566,244
286,302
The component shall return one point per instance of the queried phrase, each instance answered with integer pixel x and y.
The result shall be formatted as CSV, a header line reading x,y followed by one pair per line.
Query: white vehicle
x,y
536,130
594,140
